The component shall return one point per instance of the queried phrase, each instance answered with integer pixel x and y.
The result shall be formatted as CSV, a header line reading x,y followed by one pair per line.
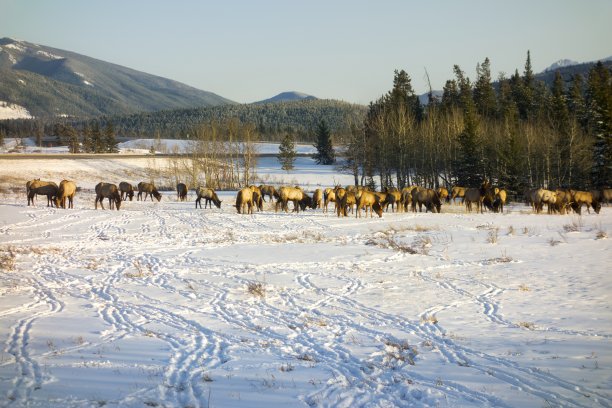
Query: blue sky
x,y
348,50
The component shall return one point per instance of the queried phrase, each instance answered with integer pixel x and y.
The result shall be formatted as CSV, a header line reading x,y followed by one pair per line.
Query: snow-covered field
x,y
160,304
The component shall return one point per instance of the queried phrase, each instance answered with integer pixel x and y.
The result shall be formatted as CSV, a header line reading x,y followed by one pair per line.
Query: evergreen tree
x,y
109,143
87,143
599,112
72,139
97,143
484,94
2,136
286,152
325,150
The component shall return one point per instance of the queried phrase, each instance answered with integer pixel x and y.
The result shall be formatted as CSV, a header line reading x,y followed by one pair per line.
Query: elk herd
x,y
350,199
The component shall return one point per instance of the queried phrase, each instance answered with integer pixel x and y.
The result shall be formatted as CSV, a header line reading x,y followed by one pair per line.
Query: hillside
x,y
51,82
288,97
271,119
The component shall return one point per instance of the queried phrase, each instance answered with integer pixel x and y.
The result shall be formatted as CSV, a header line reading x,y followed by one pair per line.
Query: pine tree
x,y
96,138
484,94
72,138
599,112
109,143
286,152
87,143
325,150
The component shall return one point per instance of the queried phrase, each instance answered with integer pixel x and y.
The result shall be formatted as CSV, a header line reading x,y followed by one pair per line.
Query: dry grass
x,y
397,353
523,288
7,260
493,236
527,325
257,289
142,271
429,319
601,234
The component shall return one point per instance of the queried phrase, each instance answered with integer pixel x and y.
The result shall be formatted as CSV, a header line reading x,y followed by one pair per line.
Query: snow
x,y
157,304
13,111
48,55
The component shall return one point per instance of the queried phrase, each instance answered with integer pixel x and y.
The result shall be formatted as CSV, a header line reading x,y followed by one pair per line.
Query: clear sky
x,y
251,50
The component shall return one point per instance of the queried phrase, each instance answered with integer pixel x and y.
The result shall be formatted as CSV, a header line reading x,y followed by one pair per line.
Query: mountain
x,y
288,97
562,63
52,82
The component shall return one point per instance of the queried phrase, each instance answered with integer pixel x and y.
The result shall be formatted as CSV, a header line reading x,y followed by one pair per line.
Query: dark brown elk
x,y
585,198
149,190
181,191
110,191
428,197
210,197
126,190
67,189
46,188
369,200
244,201
564,200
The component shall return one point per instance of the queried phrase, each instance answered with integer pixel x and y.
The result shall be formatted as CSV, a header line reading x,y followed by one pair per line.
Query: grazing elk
x,y
293,194
269,191
46,188
181,191
149,190
369,200
443,193
244,201
67,189
586,198
110,191
210,197
127,190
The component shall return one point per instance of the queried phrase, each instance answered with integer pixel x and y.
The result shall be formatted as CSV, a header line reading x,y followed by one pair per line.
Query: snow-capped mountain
x,y
51,82
288,97
562,63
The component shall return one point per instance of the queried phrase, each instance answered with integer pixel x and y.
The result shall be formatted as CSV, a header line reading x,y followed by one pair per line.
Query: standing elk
x,y
244,201
127,191
540,196
428,197
46,188
456,191
110,191
293,194
181,191
149,190
317,199
67,189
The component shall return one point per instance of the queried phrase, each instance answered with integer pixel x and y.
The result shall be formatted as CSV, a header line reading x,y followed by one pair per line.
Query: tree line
x,y
518,133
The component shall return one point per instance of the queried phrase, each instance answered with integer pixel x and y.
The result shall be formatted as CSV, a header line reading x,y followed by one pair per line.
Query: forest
x,y
518,133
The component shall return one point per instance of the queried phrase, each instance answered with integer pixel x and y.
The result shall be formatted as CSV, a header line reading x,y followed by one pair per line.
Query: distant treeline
x,y
271,120
519,134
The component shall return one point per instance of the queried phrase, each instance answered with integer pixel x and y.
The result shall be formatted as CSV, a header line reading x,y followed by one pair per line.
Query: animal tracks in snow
x,y
170,306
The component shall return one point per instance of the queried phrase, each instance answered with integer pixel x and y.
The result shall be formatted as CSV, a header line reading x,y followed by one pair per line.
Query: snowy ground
x,y
160,304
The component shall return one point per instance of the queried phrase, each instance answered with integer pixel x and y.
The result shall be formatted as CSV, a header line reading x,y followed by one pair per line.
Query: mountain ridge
x,y
72,84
